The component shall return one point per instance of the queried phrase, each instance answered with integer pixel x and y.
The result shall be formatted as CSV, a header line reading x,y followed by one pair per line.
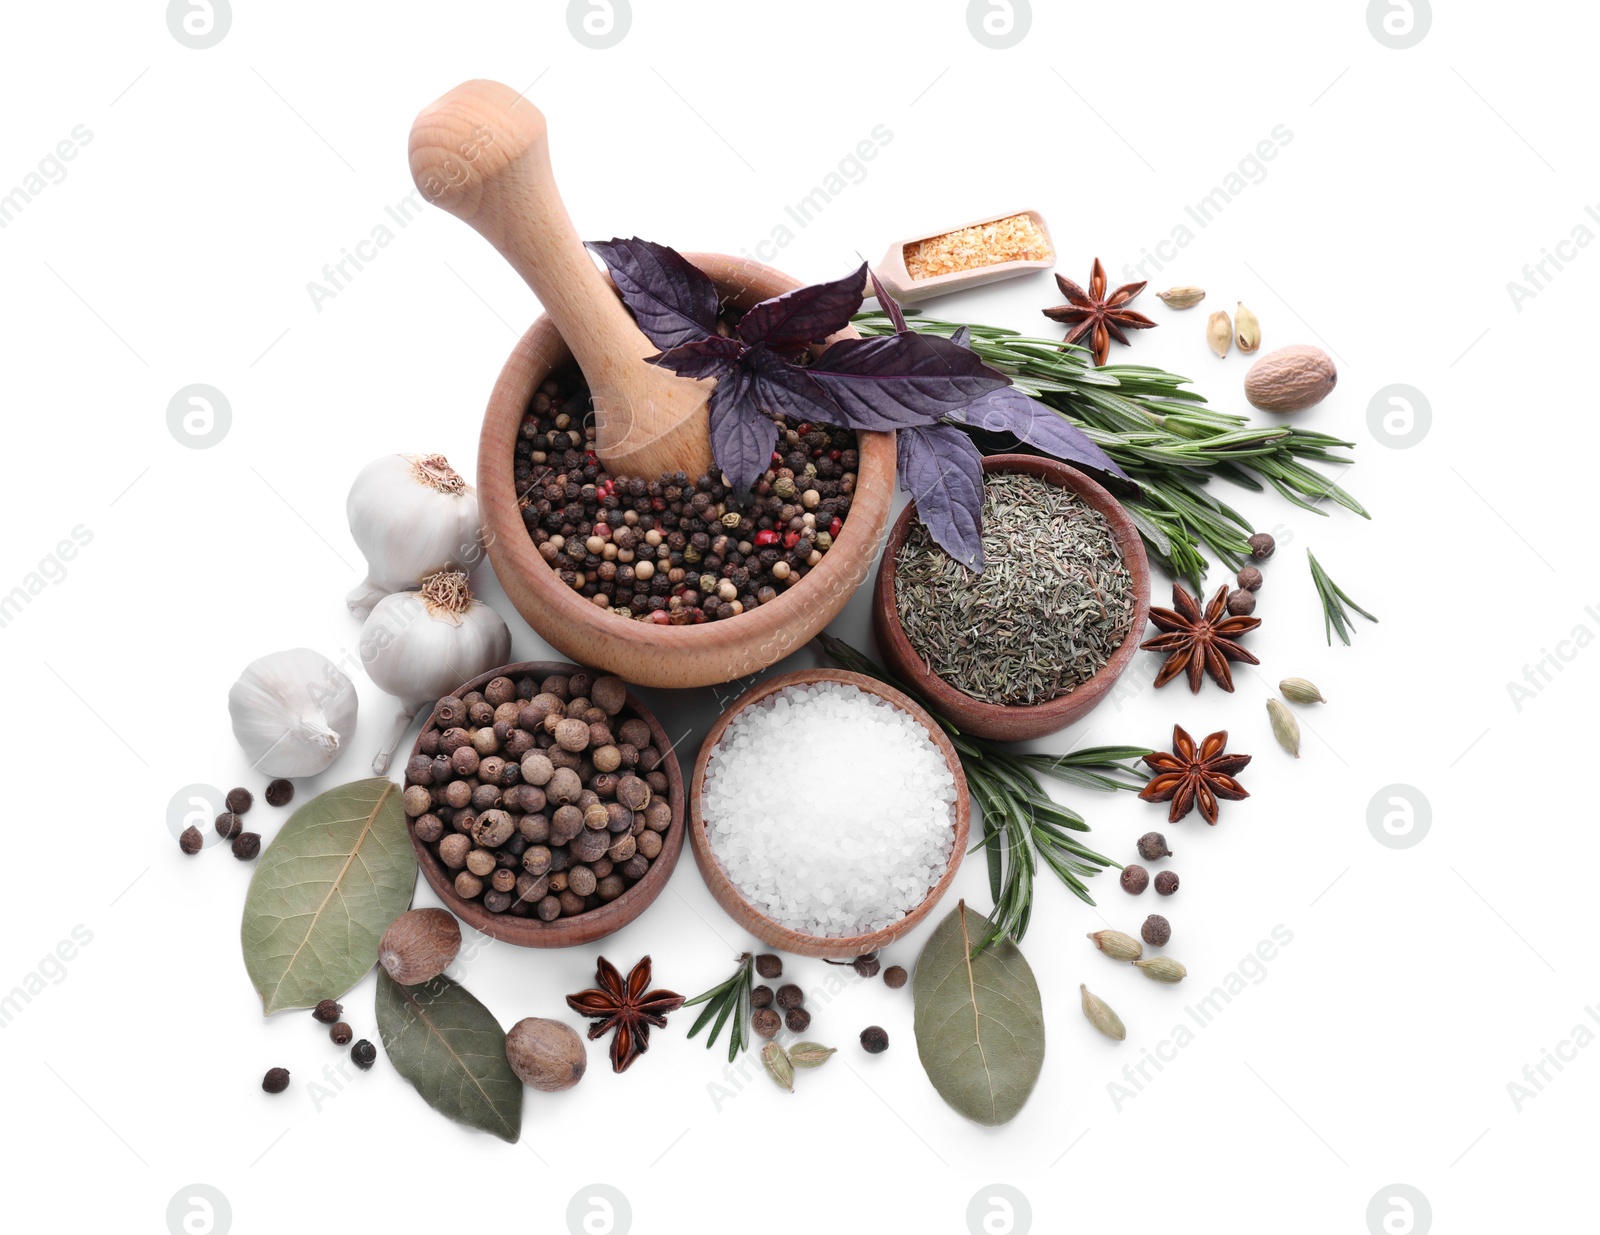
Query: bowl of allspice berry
x,y
545,804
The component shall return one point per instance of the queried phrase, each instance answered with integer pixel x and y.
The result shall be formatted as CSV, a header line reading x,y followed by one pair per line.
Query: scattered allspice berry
x,y
190,841
229,825
874,1040
760,996
1262,546
769,965
1166,883
1247,328
1181,297
766,1022
1162,969
280,792
798,1020
363,1054
810,1054
341,1034
327,1011
1241,602
276,1080
895,977
1298,690
1153,846
239,800
1100,1015
1156,931
790,996
419,944
1219,333
1250,578
1117,946
246,846
866,966
1284,726
1135,879
778,1065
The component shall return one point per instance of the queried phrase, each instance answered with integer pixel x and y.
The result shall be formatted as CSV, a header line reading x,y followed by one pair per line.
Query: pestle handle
x,y
482,152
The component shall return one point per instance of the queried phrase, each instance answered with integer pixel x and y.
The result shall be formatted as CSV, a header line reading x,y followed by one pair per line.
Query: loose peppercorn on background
x,y
223,296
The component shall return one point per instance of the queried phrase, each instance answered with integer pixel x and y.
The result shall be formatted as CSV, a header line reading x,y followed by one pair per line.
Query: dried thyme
x,y
1050,608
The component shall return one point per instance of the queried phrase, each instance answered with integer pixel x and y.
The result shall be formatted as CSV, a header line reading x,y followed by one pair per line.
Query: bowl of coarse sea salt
x,y
828,813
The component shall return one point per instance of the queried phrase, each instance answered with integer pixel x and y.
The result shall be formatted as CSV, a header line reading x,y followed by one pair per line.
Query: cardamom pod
x,y
1117,946
809,1054
1181,297
1219,333
1101,1016
1247,329
1162,969
778,1065
1298,690
1284,727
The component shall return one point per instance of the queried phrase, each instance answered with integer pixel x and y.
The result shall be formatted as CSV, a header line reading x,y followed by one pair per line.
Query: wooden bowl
x,y
598,922
999,721
732,900
643,652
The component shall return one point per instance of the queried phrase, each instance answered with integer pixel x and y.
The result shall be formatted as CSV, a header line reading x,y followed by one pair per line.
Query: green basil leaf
x,y
453,1051
978,1019
324,892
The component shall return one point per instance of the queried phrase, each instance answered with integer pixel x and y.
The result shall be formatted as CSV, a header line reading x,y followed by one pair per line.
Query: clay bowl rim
x,y
733,901
1017,721
597,923
777,628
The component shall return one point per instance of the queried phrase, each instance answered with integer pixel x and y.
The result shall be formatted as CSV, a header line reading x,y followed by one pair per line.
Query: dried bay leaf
x,y
453,1051
978,1019
338,873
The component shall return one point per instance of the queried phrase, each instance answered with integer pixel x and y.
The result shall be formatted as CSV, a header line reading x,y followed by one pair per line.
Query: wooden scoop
x,y
482,152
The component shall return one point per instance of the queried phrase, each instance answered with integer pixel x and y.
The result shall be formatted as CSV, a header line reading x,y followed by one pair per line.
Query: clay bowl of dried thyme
x,y
1041,636
828,813
783,602
545,804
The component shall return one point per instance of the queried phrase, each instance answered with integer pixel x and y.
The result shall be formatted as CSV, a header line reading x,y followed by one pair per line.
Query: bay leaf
x,y
978,1020
324,892
453,1051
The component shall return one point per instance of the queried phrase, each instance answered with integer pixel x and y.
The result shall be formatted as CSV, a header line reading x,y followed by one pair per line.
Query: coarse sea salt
x,y
830,809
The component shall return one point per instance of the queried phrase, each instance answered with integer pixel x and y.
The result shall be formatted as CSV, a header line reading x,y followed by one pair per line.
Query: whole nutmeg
x,y
1135,879
549,1055
418,945
1153,846
1166,883
1156,930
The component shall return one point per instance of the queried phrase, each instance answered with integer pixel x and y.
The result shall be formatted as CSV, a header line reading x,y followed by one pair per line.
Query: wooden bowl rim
x,y
534,932
767,929
949,701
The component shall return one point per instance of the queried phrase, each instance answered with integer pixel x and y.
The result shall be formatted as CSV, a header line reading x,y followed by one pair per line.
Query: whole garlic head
x,y
292,712
411,516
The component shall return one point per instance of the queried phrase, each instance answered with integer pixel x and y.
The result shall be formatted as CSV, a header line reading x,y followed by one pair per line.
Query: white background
x,y
1379,1044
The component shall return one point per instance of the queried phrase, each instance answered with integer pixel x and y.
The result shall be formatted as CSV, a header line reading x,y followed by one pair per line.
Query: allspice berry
x,y
1153,847
280,792
549,1055
790,996
1262,546
229,825
191,841
760,996
1156,931
866,966
766,1022
895,977
239,800
874,1040
418,945
797,1019
1241,602
1249,578
276,1080
327,1011
769,965
341,1034
1135,879
1166,883
363,1054
246,846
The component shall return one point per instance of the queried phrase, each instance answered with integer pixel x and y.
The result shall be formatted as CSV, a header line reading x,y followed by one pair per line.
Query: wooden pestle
x,y
482,152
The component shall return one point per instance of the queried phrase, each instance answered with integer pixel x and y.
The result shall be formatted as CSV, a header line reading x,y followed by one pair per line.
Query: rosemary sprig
x,y
1334,599
728,1002
1022,825
1166,439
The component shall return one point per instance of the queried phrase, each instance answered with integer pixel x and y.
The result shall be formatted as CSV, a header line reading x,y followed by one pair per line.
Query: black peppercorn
x,y
797,1019
280,792
790,996
761,997
239,800
1153,846
1135,879
874,1040
363,1054
191,841
276,1080
341,1034
765,1022
1156,930
327,1011
894,977
1166,883
1262,546
769,965
246,846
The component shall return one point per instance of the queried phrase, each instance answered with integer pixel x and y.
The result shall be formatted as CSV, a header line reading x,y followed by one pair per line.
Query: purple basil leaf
x,y
889,305
1008,410
899,380
709,357
787,390
742,436
943,472
673,301
962,336
805,315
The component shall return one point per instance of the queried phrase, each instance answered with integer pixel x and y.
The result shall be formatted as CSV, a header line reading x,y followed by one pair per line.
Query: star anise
x,y
1199,642
1096,314
1189,776
628,1007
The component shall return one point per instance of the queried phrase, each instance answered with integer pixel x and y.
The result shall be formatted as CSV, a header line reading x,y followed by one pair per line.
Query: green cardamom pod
x,y
1247,329
1219,333
809,1054
1181,297
1284,727
1162,969
1298,690
1117,946
1101,1016
778,1065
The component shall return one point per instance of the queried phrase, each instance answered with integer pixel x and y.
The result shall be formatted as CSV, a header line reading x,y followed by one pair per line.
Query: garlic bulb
x,y
421,645
411,516
292,711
